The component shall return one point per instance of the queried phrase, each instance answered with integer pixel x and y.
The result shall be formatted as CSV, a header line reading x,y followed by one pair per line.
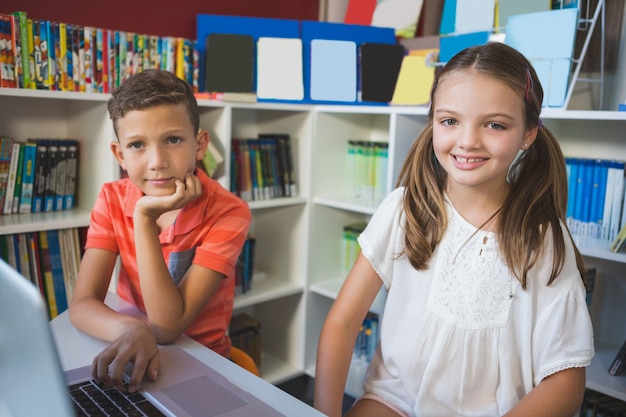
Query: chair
x,y
244,360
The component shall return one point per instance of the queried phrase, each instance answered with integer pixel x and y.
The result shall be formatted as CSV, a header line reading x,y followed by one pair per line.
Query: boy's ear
x,y
202,139
116,148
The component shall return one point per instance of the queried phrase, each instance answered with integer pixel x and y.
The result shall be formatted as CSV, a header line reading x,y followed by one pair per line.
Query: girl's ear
x,y
116,148
529,138
202,140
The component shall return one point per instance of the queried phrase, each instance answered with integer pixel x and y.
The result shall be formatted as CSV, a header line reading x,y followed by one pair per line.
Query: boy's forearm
x,y
96,319
162,300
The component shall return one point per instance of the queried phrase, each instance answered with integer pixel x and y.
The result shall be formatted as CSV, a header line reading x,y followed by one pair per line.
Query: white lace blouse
x,y
462,337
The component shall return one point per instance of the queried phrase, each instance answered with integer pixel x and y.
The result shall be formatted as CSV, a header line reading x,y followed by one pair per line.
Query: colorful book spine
x,y
21,18
49,199
28,177
56,267
61,175
17,192
30,24
46,270
7,51
7,208
6,146
39,187
71,174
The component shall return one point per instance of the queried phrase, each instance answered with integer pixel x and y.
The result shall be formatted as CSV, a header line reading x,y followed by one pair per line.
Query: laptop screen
x,y
31,379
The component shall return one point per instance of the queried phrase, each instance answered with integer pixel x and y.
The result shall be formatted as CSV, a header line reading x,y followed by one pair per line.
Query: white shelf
x,y
343,204
266,290
599,379
32,222
328,289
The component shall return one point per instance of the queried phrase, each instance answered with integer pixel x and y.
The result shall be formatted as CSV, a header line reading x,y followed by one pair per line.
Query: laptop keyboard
x,y
95,400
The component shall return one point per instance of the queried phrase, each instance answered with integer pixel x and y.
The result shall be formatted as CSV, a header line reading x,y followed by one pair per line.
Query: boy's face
x,y
156,146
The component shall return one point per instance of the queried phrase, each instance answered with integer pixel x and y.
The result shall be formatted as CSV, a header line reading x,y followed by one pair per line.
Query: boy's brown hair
x,y
151,88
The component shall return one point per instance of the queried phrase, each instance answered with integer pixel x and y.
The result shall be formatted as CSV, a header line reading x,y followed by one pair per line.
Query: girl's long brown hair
x,y
536,204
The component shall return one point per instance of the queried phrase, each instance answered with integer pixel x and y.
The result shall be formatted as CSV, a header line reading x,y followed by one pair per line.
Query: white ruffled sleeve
x,y
383,238
563,334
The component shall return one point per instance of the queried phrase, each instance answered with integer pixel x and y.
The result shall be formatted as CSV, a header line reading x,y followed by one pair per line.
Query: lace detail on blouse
x,y
472,288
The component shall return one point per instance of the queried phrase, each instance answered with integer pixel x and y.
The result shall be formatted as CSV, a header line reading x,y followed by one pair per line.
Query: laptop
x,y
32,382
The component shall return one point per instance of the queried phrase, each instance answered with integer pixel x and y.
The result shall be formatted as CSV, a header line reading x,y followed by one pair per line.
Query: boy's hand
x,y
136,346
154,207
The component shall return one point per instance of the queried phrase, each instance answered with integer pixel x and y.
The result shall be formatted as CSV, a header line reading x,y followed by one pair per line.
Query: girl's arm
x,y
339,334
558,395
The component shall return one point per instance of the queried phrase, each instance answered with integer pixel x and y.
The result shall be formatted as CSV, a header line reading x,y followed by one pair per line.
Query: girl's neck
x,y
478,208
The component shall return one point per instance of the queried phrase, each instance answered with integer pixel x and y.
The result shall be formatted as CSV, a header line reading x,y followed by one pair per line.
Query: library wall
x,y
160,17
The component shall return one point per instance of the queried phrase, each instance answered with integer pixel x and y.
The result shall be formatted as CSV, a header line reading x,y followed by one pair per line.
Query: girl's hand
x,y
154,207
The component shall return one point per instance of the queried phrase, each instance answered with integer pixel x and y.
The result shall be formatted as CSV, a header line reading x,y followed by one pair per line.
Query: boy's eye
x,y
174,139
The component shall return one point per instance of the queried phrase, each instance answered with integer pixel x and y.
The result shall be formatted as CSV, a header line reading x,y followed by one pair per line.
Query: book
x,y
7,208
618,198
7,51
23,253
49,198
56,268
285,162
17,52
56,56
213,161
22,48
17,191
33,245
71,174
51,34
61,175
39,185
46,271
68,62
41,52
619,363
31,52
608,206
619,241
28,177
6,146
70,270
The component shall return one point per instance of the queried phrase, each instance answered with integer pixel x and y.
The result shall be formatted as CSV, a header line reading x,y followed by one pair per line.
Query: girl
x,y
486,311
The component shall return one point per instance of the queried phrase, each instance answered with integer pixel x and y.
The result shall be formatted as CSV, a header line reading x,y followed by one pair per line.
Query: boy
x,y
178,234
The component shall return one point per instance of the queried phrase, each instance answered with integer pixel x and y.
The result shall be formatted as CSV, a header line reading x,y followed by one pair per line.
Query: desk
x,y
77,349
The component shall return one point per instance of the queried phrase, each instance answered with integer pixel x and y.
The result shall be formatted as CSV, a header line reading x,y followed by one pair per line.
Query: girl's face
x,y
478,129
156,146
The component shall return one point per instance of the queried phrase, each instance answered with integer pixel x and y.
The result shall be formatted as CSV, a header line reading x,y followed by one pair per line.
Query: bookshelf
x,y
298,258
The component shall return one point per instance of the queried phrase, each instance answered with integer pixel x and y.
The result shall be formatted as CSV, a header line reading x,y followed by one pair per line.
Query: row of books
x,y
262,168
367,339
41,54
366,171
49,259
39,175
244,268
595,207
245,334
350,245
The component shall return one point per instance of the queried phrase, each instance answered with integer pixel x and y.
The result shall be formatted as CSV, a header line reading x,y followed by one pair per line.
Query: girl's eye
x,y
448,122
496,126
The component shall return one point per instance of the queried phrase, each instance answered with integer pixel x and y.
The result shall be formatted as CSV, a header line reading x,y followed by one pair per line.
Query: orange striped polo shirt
x,y
209,231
